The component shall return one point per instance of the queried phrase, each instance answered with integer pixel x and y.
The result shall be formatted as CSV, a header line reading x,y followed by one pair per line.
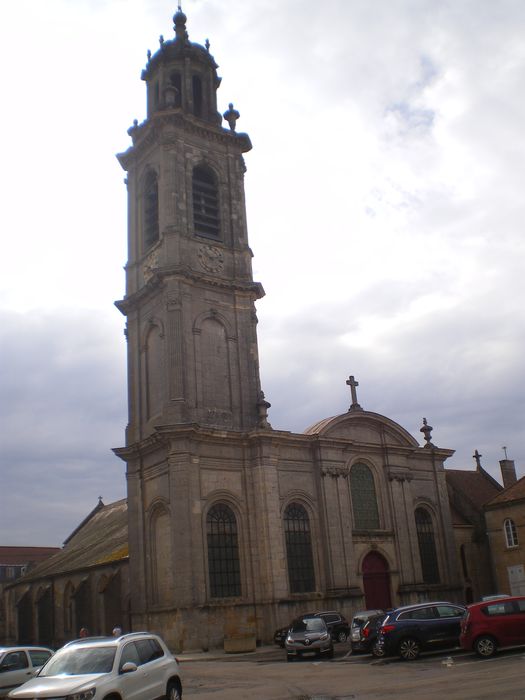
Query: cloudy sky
x,y
385,207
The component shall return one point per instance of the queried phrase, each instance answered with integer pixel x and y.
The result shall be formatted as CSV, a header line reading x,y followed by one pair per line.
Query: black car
x,y
279,635
411,629
337,624
365,637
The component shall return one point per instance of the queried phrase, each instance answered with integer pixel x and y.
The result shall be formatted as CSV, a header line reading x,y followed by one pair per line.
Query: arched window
x,y
223,552
511,534
205,202
427,546
151,210
299,549
364,501
197,95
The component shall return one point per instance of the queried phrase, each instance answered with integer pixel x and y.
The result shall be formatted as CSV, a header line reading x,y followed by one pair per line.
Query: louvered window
x,y
205,203
151,210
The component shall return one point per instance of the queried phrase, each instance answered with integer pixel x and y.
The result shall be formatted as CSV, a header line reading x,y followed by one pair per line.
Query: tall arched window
x,y
223,552
364,500
511,534
151,210
427,546
299,549
205,202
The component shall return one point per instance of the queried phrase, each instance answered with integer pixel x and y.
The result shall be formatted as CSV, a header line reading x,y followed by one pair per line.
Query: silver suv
x,y
308,635
135,666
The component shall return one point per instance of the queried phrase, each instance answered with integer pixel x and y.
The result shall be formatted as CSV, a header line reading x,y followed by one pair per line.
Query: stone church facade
x,y
235,527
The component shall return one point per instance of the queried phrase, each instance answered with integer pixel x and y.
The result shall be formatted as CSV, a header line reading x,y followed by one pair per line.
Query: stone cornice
x,y
183,271
153,130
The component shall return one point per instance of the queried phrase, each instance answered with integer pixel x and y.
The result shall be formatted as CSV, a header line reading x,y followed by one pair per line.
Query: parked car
x,y
409,630
488,625
19,664
308,635
359,620
135,666
337,625
364,638
279,636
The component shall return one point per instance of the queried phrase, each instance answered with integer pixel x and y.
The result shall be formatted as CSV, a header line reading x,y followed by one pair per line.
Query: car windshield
x,y
308,624
73,661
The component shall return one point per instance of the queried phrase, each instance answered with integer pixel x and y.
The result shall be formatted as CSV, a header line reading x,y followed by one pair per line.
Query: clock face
x,y
211,258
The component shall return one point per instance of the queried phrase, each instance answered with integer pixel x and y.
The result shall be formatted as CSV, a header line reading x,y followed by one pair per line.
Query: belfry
x,y
235,527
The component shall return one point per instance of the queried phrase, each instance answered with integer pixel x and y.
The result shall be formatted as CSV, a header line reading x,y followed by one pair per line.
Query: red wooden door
x,y
376,582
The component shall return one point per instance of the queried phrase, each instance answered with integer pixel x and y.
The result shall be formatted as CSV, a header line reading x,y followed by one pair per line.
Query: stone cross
x,y
353,384
477,457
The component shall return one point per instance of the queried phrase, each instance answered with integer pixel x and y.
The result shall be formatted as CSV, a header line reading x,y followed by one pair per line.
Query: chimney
x,y
508,472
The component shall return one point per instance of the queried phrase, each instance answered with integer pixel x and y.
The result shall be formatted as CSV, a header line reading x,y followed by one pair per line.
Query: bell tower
x,y
190,295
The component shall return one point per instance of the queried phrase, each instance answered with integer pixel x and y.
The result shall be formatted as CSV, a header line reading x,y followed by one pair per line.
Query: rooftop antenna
x,y
504,448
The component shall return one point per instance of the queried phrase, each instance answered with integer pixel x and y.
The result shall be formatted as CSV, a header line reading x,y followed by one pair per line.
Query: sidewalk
x,y
221,655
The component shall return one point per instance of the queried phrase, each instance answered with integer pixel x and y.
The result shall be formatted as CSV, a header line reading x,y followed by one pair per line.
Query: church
x,y
235,527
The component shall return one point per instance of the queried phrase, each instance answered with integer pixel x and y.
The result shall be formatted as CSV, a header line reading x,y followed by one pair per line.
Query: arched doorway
x,y
376,582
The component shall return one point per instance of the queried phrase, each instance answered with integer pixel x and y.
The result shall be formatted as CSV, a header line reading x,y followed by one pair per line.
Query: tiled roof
x,y
477,486
516,492
21,556
102,539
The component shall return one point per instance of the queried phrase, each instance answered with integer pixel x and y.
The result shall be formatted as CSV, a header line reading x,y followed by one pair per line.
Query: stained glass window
x,y
364,500
223,552
427,546
299,549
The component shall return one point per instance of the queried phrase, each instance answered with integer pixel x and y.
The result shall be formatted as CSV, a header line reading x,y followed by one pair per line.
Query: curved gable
x,y
364,427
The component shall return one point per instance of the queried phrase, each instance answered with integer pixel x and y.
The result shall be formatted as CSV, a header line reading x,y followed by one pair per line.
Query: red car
x,y
491,624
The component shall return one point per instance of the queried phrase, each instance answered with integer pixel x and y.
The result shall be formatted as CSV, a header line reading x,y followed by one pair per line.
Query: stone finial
x,y
161,41
427,432
207,45
148,54
179,25
353,384
262,409
231,116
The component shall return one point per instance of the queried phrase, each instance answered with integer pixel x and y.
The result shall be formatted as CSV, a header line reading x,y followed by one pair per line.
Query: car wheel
x,y
174,691
409,649
378,651
485,646
342,636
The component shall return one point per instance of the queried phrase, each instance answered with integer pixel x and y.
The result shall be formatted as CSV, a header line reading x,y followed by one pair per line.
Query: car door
x,y
133,684
152,655
449,624
14,670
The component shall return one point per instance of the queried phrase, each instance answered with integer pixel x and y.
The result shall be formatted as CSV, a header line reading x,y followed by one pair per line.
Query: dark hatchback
x,y
364,638
409,630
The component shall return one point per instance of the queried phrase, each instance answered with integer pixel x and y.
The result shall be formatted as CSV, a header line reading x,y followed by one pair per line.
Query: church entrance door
x,y
376,582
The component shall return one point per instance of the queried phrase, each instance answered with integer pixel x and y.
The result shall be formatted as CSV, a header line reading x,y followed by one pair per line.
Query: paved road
x,y
267,676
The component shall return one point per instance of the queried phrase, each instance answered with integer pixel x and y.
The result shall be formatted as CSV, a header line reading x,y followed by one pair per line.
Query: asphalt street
x,y
265,675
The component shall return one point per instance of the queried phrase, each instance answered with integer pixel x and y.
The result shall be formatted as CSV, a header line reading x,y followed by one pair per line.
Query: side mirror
x,y
128,667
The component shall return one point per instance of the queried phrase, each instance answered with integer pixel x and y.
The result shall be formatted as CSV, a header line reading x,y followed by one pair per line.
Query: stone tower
x,y
235,528
191,323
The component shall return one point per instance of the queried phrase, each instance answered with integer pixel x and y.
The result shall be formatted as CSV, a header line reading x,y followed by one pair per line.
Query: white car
x,y
136,666
19,664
